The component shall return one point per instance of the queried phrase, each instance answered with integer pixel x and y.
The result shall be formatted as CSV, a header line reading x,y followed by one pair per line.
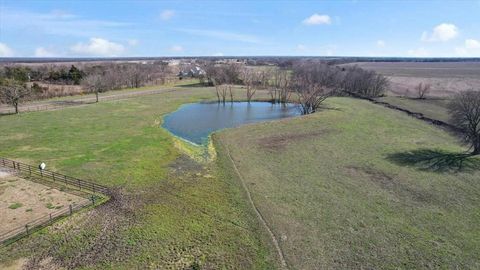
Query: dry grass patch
x,y
280,141
22,201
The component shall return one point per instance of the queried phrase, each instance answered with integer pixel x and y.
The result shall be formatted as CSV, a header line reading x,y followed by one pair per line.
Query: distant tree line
x,y
70,75
28,82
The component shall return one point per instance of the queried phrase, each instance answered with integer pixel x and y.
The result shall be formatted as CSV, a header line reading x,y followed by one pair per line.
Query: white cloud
x,y
218,54
58,22
442,32
316,19
471,48
472,44
42,52
176,48
98,47
420,52
381,43
132,42
221,35
167,14
5,51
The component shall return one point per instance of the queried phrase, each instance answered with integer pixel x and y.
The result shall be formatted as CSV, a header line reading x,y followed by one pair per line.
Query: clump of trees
x,y
311,82
12,92
314,83
223,77
130,75
357,81
279,84
62,75
465,113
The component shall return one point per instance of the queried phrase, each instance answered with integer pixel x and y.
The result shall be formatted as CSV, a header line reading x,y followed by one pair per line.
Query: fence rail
x,y
53,176
30,227
22,168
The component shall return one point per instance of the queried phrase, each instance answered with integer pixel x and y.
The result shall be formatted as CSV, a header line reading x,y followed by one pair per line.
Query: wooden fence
x,y
53,176
25,169
22,231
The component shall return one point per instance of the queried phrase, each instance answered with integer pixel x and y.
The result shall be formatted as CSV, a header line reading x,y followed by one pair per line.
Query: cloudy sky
x,y
201,28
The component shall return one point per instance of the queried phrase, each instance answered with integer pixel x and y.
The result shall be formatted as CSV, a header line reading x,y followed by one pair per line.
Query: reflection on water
x,y
194,122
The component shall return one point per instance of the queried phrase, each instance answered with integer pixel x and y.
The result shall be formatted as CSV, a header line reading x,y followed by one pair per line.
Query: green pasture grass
x,y
184,213
360,186
434,108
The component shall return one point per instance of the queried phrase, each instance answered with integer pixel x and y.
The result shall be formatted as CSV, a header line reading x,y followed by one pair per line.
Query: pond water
x,y
194,122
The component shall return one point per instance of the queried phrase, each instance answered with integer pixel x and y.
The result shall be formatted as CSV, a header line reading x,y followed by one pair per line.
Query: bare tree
x,y
465,113
314,82
422,90
281,81
250,80
13,92
95,84
223,77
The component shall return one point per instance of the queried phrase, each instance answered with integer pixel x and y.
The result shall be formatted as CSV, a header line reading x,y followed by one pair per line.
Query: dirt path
x,y
60,104
259,215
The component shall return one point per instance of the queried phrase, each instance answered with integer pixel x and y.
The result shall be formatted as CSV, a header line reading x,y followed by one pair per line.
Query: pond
x,y
194,122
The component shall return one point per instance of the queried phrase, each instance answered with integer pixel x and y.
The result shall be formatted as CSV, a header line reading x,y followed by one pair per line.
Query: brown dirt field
x,y
445,78
36,200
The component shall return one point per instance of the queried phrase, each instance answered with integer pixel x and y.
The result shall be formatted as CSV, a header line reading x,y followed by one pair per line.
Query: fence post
x,y
71,210
26,228
65,179
79,184
50,217
29,170
3,161
13,164
18,166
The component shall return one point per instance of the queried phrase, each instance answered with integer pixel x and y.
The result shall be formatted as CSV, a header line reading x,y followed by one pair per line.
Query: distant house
x,y
191,72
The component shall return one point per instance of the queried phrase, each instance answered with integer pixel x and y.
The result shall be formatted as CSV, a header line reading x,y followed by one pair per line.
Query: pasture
x,y
355,185
445,78
170,211
435,108
359,186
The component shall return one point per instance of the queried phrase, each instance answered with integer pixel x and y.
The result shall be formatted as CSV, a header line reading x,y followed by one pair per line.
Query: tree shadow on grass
x,y
436,160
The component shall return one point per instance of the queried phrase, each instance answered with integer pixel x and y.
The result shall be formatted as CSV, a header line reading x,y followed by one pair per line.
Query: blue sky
x,y
202,28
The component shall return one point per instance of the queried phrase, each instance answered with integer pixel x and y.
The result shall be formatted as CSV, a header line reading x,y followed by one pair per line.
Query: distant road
x,y
48,105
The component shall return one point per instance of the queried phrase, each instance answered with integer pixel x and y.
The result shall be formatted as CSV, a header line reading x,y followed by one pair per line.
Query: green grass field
x,y
355,185
358,186
172,212
431,108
